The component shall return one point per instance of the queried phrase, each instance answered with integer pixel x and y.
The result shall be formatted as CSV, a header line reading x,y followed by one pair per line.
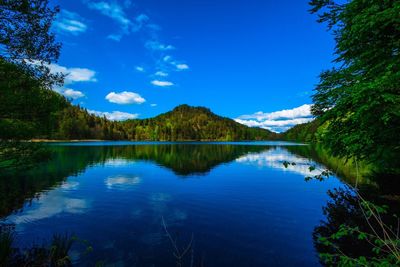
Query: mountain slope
x,y
192,123
306,132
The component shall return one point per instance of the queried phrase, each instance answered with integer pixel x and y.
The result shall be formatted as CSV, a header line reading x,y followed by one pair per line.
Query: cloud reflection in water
x,y
275,158
51,204
122,181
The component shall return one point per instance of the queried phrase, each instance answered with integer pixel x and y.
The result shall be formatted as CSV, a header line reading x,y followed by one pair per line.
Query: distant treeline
x,y
310,132
29,111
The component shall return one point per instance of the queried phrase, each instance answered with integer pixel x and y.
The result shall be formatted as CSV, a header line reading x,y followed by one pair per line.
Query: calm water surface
x,y
240,203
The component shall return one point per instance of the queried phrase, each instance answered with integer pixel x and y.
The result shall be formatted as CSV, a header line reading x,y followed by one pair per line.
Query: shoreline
x,y
64,141
100,140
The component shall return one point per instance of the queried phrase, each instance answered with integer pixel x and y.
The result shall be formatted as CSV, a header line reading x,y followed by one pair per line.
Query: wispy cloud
x,y
127,3
70,22
170,62
117,13
161,74
278,121
139,69
153,105
140,21
162,83
142,18
153,27
112,10
167,58
125,98
115,115
156,45
115,37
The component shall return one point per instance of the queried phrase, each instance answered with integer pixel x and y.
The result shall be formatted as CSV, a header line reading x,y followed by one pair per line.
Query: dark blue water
x,y
240,203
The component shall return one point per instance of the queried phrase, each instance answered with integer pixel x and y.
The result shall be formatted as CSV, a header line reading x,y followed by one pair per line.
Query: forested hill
x,y
29,111
192,123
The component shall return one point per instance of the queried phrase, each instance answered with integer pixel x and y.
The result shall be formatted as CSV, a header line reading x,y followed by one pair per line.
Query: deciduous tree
x,y
360,98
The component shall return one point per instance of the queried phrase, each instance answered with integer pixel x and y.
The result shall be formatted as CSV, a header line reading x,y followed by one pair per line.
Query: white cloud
x,y
162,83
155,45
299,112
74,74
182,66
167,58
275,126
70,22
153,105
74,94
278,121
81,75
125,98
115,115
139,68
161,74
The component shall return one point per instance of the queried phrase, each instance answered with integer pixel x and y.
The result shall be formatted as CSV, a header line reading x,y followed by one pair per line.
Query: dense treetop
x,y
26,38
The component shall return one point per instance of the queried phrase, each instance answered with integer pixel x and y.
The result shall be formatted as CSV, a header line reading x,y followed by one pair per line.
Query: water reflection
x,y
48,205
183,160
274,158
115,197
122,181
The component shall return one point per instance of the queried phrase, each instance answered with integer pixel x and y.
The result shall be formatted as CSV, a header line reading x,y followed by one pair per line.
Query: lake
x,y
237,202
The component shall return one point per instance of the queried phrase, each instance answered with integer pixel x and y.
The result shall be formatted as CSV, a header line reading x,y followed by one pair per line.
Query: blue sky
x,y
254,61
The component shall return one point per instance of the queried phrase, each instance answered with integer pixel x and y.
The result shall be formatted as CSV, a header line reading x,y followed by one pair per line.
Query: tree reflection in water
x,y
351,234
182,159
